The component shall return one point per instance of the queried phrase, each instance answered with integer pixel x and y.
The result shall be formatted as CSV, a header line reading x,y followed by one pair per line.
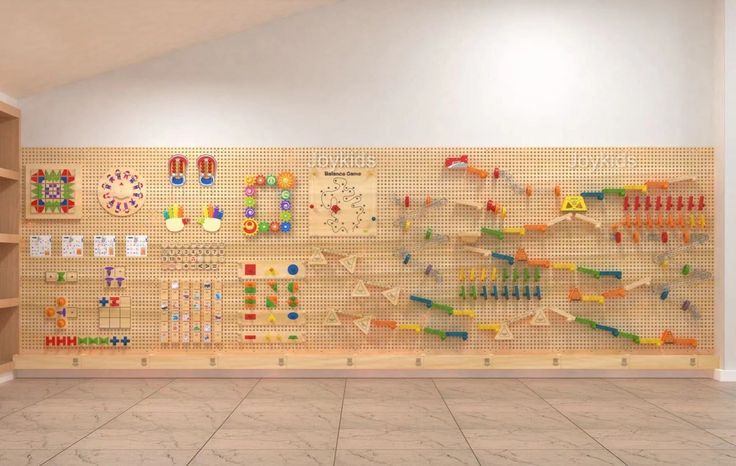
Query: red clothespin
x,y
497,173
680,204
490,206
647,203
690,202
658,203
407,201
665,237
626,203
636,203
618,236
701,202
669,202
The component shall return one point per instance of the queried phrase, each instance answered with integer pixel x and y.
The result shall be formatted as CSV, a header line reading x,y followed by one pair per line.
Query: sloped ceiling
x,y
46,43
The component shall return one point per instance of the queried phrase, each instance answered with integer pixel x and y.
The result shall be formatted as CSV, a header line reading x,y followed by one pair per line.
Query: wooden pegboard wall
x,y
400,172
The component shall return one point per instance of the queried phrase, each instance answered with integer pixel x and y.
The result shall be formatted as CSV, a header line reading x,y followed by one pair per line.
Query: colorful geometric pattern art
x,y
52,192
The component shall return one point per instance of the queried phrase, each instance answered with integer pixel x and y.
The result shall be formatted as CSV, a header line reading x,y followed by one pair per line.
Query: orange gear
x,y
286,180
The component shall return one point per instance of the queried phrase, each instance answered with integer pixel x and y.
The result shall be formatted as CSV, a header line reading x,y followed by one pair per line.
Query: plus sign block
x,y
114,312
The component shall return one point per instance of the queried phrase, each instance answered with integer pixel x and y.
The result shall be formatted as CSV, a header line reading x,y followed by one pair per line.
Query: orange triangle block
x,y
521,255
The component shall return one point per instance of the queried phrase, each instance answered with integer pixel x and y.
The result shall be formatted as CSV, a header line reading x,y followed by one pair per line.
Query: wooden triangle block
x,y
393,295
350,263
360,290
332,319
504,333
540,318
364,324
317,258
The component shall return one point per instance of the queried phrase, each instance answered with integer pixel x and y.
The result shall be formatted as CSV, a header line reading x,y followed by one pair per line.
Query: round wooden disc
x,y
121,192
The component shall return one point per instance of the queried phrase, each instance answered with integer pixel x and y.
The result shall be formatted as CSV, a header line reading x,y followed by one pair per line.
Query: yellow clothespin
x,y
493,274
417,328
491,327
471,275
483,273
701,221
595,298
461,274
691,221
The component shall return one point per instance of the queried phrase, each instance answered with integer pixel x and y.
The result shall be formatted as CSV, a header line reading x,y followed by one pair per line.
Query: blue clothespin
x,y
494,293
597,194
419,299
538,292
516,291
527,294
484,292
505,292
665,294
503,257
463,335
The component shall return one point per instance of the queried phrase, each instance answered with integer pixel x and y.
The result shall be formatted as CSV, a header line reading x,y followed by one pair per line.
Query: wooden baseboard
x,y
110,361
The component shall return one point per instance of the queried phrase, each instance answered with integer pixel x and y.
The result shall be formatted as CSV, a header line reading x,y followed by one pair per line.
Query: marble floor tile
x,y
599,416
391,389
165,404
650,439
73,457
396,419
502,437
208,457
25,457
547,457
77,405
11,405
208,388
34,420
710,416
677,457
582,390
269,405
36,389
283,419
484,389
298,389
154,431
672,389
524,408
487,417
406,457
725,387
112,389
273,439
18,439
402,439
728,435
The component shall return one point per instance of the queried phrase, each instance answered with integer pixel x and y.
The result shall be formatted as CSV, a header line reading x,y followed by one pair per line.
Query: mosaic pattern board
x,y
469,254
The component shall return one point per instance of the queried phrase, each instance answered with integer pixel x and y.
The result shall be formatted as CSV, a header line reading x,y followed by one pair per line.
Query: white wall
x,y
727,173
413,72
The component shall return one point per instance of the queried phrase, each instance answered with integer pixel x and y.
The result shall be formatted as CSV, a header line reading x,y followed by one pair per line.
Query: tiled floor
x,y
360,422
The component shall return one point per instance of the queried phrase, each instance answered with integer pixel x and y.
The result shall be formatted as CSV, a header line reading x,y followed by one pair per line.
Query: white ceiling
x,y
46,43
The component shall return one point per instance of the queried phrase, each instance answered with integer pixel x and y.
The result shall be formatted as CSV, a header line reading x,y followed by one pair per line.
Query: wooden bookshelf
x,y
10,200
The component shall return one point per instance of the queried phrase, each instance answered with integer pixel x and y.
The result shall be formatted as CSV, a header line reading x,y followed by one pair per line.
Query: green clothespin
x,y
526,274
505,274
536,274
515,274
473,292
428,233
462,291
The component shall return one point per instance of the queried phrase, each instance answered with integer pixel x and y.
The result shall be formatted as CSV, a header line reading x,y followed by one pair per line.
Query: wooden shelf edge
x,y
8,238
9,110
9,302
8,174
119,359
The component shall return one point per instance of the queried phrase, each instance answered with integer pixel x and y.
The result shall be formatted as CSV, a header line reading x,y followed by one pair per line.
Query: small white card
x,y
40,246
136,246
105,246
72,246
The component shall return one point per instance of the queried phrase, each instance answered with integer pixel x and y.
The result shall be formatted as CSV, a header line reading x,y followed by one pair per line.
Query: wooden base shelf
x,y
120,359
6,238
9,302
12,175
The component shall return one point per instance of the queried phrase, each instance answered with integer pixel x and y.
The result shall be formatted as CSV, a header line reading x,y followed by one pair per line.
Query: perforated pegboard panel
x,y
400,172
